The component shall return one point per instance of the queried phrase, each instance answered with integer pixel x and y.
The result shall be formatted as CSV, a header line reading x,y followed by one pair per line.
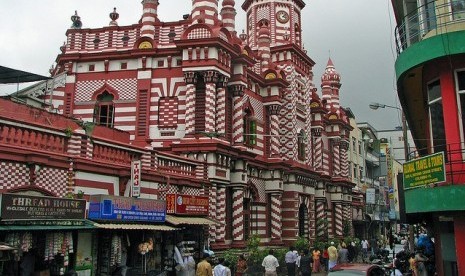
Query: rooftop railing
x,y
429,20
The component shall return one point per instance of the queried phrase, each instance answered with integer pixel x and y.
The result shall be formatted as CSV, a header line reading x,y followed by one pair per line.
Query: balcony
x,y
429,20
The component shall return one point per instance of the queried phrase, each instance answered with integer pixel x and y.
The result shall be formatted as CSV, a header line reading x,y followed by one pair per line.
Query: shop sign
x,y
26,207
370,196
186,204
423,171
106,207
135,178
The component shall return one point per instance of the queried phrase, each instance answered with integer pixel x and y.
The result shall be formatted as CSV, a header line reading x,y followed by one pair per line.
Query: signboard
x,y
105,207
370,196
186,204
26,207
135,178
423,171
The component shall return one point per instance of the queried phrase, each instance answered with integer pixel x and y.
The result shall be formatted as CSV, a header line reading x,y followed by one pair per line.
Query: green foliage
x,y
252,246
320,244
346,228
231,255
301,243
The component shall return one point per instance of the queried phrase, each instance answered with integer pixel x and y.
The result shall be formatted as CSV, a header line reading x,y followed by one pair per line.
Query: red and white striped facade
x,y
189,90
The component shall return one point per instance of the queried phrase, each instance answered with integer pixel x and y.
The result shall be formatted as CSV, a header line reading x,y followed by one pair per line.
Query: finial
x,y
243,35
114,16
76,19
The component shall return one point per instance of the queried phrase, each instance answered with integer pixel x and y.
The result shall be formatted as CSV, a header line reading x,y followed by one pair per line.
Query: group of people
x,y
223,268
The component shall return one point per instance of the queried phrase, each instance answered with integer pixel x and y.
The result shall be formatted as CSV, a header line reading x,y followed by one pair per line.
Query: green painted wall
x,y
431,48
446,198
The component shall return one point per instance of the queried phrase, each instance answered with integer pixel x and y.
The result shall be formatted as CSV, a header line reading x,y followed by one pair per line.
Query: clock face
x,y
282,16
145,45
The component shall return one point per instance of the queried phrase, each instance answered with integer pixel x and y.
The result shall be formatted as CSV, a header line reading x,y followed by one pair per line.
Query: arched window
x,y
250,129
104,110
301,145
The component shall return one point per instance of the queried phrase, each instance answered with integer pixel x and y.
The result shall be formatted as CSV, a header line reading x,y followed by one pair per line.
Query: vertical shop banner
x,y
186,204
135,178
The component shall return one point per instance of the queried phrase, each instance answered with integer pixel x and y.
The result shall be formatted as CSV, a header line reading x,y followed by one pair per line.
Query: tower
x,y
284,17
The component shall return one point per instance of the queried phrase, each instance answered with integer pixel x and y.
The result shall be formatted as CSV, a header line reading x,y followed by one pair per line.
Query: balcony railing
x,y
429,20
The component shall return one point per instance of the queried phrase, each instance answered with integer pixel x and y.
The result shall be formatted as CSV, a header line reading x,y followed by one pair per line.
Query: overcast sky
x,y
356,34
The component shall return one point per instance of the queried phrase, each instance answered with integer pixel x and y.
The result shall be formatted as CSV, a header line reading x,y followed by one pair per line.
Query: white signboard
x,y
370,196
135,178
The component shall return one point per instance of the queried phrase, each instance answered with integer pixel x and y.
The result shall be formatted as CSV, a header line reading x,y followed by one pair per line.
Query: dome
x,y
330,73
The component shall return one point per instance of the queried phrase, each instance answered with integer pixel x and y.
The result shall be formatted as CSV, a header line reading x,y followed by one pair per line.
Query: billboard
x,y
425,170
26,207
106,207
370,196
135,178
186,204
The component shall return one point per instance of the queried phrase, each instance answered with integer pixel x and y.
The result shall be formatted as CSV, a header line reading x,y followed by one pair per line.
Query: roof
x,y
189,220
9,75
123,226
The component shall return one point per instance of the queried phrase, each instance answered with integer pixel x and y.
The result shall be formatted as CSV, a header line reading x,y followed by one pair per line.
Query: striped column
x,y
344,145
221,105
276,223
238,123
320,216
149,17
228,15
212,210
221,213
336,159
264,43
274,130
318,153
204,11
338,217
211,77
330,228
191,79
70,187
238,214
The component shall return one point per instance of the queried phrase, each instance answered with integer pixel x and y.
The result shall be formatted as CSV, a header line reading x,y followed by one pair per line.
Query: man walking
x,y
270,263
204,268
291,258
306,264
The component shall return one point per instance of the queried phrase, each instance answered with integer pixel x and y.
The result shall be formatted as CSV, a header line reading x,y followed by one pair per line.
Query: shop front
x,y
45,235
190,214
132,237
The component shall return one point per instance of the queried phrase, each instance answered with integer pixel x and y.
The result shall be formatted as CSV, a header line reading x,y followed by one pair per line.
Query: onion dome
x,y
114,16
228,3
76,19
330,75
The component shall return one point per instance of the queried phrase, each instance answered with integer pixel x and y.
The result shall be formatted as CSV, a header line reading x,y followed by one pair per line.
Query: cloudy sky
x,y
356,34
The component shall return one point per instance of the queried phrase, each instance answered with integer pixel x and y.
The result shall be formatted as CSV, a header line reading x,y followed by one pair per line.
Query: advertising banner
x,y
26,207
135,178
423,171
186,204
105,207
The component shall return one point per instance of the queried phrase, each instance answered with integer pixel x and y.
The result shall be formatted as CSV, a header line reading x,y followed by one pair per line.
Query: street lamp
x,y
375,106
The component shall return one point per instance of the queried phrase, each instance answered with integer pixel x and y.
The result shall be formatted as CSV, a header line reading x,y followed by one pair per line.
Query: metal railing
x,y
429,20
454,155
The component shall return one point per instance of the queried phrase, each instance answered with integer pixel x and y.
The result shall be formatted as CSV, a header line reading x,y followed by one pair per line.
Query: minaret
x,y
228,15
264,42
205,11
149,17
330,85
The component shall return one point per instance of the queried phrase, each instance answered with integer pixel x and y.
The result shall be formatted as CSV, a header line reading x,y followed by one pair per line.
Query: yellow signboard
x,y
423,171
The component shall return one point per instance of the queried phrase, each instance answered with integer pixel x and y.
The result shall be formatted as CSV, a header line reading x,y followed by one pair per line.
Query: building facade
x,y
430,83
274,150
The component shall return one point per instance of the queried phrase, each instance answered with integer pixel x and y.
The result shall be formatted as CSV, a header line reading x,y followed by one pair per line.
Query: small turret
x,y
264,43
205,11
330,85
228,15
149,17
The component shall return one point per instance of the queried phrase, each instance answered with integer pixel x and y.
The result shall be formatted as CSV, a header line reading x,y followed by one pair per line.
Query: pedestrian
x,y
396,271
365,249
290,259
190,265
297,262
332,253
343,255
241,266
325,258
204,268
316,260
270,263
351,250
220,269
306,264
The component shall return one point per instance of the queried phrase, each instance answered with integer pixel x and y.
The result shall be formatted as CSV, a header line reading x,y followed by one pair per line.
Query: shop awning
x,y
190,220
38,227
126,226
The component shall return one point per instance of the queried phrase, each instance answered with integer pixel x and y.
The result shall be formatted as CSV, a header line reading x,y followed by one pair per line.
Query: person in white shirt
x,y
220,269
364,249
270,263
291,258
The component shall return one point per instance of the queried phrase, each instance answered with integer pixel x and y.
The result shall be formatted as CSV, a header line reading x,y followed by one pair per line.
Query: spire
x,y
114,16
149,17
228,15
205,11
